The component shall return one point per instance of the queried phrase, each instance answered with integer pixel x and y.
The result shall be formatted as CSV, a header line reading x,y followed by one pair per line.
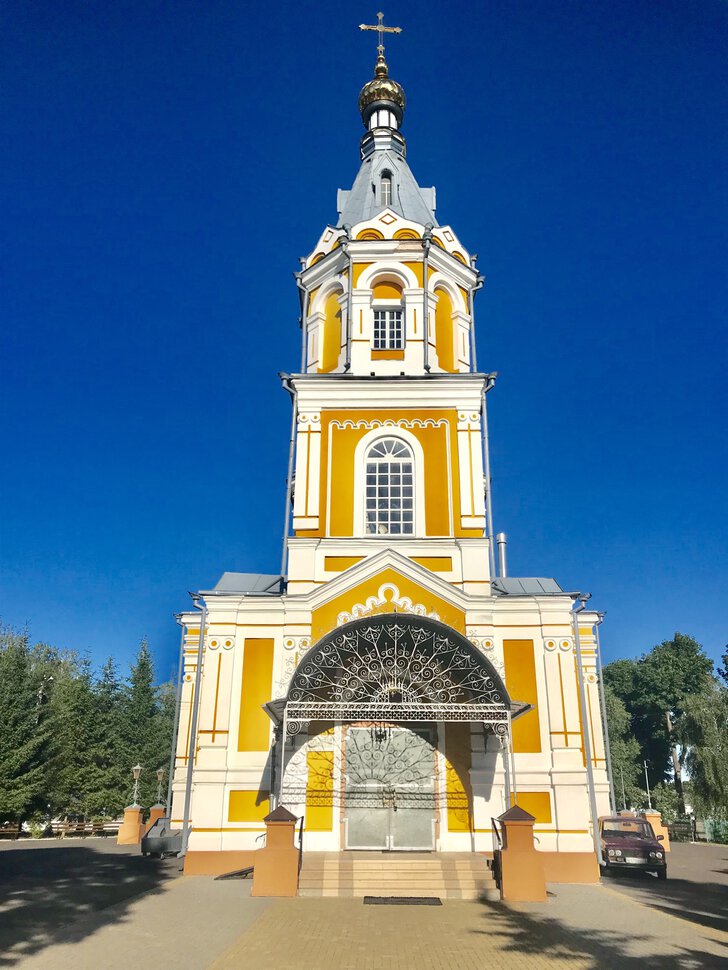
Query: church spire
x,y
382,100
384,179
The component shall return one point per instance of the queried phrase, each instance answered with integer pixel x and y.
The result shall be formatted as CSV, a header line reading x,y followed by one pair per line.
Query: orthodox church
x,y
394,687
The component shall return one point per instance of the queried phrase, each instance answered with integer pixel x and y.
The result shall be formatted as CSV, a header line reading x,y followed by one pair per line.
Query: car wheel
x,y
662,873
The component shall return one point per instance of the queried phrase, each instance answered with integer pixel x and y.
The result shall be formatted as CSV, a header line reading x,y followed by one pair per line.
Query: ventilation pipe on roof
x,y
502,540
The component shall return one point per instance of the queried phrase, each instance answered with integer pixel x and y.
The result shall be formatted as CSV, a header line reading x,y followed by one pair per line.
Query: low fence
x,y
716,830
700,830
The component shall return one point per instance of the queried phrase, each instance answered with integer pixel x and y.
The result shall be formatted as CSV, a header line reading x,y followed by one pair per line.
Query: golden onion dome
x,y
381,88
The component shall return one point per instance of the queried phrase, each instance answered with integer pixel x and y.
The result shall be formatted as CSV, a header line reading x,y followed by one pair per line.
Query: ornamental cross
x,y
380,29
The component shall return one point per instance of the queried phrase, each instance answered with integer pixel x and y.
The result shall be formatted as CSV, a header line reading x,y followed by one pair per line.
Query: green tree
x,y
74,716
24,738
664,799
110,789
723,671
654,690
625,751
703,731
149,712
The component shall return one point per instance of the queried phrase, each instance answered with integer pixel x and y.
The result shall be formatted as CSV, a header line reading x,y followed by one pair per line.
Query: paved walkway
x,y
696,889
147,917
579,927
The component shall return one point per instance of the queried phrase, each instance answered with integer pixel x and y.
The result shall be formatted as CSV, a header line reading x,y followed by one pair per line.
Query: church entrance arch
x,y
389,680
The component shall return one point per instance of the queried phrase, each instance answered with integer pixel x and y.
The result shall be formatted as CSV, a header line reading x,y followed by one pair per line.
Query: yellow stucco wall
x,y
439,444
536,803
330,334
520,665
319,791
248,806
254,726
458,790
443,330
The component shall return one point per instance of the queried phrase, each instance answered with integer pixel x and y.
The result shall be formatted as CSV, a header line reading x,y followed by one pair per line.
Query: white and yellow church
x,y
392,688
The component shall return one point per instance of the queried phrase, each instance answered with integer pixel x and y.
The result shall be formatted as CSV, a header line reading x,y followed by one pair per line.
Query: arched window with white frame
x,y
386,188
389,501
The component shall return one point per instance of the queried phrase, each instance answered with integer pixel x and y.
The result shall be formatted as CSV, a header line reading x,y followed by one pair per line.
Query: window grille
x,y
386,190
388,330
389,487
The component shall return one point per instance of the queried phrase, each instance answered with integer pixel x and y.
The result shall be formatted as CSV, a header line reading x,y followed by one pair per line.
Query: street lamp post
x,y
160,779
136,772
647,786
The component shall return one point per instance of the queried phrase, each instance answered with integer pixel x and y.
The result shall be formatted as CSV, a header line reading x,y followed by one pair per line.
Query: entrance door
x,y
390,788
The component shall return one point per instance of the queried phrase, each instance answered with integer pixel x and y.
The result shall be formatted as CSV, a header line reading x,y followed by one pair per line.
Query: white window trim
x,y
418,478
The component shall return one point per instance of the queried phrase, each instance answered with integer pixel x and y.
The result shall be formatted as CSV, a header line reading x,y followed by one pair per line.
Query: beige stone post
x,y
132,828
155,812
652,816
522,878
275,871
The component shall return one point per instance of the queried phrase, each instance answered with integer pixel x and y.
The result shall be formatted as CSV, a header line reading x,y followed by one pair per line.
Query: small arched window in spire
x,y
386,188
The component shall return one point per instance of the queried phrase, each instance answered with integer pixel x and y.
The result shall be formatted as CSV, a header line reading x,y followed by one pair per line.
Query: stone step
x,y
357,881
461,875
467,894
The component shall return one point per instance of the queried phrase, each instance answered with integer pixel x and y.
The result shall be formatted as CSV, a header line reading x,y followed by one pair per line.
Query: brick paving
x,y
578,927
108,909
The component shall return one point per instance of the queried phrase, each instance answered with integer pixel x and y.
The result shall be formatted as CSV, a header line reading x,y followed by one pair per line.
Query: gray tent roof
x,y
525,586
408,199
248,583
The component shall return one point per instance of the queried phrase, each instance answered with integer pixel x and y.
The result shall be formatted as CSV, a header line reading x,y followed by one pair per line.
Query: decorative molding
x,y
391,423
372,604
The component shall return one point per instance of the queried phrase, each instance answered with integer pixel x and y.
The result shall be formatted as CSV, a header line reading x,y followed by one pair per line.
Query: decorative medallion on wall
x,y
487,646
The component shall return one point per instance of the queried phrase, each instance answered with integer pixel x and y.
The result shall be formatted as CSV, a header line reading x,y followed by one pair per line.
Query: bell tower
x,y
389,406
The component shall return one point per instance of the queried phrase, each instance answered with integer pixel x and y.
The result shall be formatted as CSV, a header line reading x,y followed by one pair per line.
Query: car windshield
x,y
626,828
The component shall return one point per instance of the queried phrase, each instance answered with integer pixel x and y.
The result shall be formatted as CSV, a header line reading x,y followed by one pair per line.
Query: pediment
x,y
385,583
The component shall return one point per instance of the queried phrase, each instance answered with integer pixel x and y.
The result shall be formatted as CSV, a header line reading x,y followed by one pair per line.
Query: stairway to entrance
x,y
447,875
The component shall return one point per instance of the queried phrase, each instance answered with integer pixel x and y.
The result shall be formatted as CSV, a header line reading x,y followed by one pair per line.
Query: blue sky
x,y
165,165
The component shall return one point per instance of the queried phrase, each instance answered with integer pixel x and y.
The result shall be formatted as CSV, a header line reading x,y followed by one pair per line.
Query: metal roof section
x,y
260,583
525,586
363,201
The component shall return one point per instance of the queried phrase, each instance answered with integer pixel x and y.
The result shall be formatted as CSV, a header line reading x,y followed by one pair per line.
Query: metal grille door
x,y
390,788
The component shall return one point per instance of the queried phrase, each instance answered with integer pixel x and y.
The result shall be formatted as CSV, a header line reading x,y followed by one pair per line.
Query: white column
x,y
308,471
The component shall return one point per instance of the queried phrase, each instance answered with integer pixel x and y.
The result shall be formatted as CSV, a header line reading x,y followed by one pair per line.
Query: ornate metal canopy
x,y
396,667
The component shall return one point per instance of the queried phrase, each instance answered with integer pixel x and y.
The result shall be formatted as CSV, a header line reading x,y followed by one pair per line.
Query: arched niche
x,y
330,333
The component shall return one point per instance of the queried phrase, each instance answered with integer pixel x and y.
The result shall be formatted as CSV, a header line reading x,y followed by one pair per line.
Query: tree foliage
x,y
703,732
70,736
625,751
656,691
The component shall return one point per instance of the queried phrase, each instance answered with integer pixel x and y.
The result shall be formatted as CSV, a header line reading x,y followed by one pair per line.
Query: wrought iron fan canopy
x,y
396,667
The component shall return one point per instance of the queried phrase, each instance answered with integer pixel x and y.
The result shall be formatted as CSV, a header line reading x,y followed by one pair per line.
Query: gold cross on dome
x,y
380,29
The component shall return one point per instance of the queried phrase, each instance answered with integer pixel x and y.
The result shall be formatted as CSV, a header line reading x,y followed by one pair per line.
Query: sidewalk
x,y
184,925
578,927
98,907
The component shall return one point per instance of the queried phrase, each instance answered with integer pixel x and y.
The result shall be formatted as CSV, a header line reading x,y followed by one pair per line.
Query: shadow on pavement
x,y
531,934
703,903
47,888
